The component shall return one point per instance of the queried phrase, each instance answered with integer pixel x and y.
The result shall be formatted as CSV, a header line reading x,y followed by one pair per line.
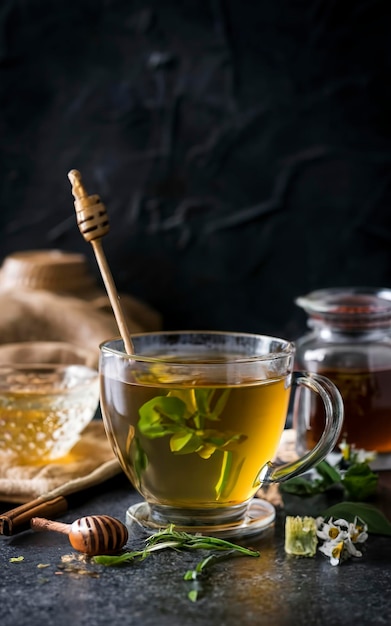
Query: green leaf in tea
x,y
182,414
140,458
184,442
161,416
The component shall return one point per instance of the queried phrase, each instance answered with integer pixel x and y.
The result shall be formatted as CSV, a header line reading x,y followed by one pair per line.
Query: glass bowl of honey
x,y
44,407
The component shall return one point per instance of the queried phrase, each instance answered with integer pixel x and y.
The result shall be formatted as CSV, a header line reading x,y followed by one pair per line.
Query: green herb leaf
x,y
183,414
220,404
188,541
329,474
193,595
159,415
117,559
360,482
185,442
377,523
300,486
202,399
169,538
140,458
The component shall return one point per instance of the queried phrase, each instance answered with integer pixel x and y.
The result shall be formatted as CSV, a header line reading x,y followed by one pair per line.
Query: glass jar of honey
x,y
350,343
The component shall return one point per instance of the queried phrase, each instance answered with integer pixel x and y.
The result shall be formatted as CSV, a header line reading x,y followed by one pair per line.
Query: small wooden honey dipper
x,y
93,224
92,535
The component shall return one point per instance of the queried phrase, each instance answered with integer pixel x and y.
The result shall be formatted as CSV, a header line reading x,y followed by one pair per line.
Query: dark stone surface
x,y
242,148
273,590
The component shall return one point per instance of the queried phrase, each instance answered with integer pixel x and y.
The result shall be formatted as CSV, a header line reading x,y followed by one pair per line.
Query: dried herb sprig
x,y
172,539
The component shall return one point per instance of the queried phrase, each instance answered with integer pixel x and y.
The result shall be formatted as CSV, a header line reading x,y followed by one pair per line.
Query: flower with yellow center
x,y
340,538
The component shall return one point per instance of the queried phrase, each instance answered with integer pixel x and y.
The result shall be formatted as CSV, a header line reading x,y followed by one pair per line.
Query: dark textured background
x,y
242,148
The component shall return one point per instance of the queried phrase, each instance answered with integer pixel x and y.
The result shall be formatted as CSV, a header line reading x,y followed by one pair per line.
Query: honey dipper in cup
x,y
93,224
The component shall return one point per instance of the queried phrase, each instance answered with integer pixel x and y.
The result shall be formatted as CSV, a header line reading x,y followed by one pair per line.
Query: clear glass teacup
x,y
195,419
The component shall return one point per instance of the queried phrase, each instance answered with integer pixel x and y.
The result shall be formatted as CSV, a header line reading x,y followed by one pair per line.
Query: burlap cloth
x,y
90,462
35,315
51,295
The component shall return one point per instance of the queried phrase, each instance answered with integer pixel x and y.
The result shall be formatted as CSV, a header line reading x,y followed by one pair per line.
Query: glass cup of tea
x,y
195,419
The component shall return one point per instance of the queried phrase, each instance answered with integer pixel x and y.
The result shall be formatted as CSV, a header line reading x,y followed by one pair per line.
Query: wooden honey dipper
x,y
92,535
93,224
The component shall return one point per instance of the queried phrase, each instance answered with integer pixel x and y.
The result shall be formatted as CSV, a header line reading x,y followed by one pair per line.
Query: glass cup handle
x,y
334,413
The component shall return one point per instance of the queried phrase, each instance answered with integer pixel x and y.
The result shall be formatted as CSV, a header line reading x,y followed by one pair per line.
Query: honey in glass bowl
x,y
43,409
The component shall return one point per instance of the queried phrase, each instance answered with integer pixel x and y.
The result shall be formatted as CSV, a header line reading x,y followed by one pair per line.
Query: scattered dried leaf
x,y
76,564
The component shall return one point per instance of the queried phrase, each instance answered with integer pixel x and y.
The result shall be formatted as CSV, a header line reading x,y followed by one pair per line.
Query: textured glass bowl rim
x,y
86,376
288,347
362,302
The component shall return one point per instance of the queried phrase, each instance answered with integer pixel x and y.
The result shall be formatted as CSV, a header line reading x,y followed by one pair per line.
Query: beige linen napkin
x,y
90,462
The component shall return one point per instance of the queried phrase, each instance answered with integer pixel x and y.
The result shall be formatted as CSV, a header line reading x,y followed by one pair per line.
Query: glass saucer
x,y
259,517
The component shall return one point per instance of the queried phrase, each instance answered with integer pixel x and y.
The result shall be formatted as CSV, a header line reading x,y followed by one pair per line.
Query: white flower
x,y
339,551
331,531
358,531
364,456
339,538
353,455
335,551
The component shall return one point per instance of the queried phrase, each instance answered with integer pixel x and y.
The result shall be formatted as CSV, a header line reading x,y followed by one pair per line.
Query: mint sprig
x,y
185,417
358,482
182,415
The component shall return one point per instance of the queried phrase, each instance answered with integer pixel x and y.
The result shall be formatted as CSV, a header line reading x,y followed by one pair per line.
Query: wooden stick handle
x,y
93,224
112,293
18,519
40,523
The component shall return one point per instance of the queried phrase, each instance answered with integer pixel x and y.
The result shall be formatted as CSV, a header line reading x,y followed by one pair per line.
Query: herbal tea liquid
x,y
195,446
